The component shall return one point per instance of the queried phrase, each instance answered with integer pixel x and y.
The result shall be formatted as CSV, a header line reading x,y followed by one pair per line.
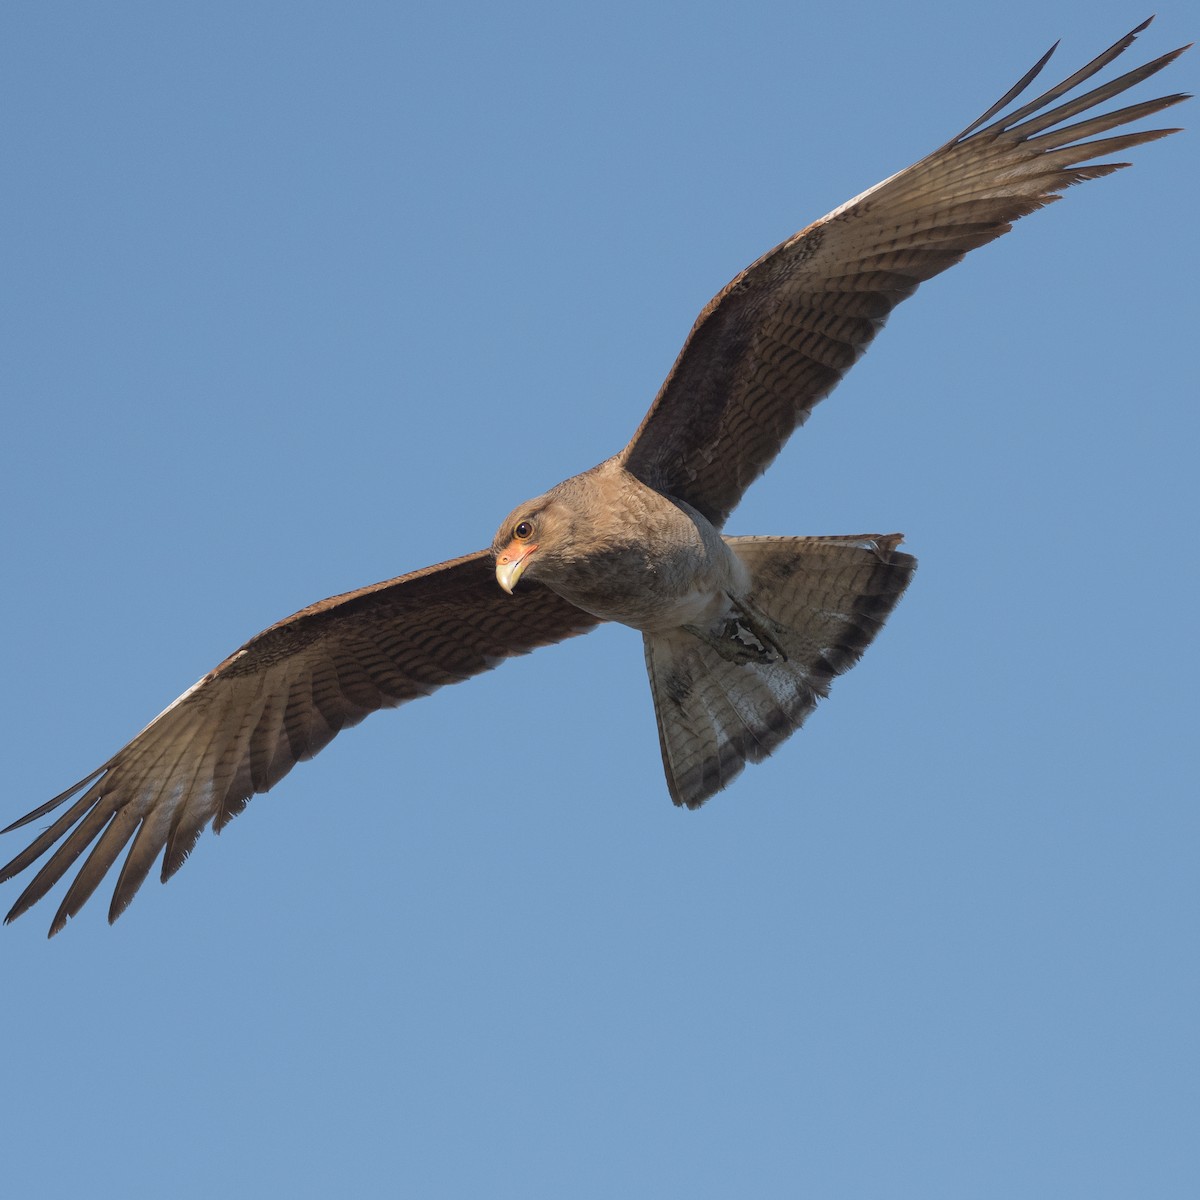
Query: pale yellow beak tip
x,y
507,574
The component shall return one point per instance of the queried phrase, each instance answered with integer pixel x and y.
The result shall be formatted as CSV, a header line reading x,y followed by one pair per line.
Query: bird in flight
x,y
742,635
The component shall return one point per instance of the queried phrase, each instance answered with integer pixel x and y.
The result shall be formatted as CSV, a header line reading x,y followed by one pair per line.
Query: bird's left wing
x,y
279,699
779,338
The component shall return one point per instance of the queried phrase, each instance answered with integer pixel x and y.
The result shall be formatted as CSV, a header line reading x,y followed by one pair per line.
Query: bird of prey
x,y
742,635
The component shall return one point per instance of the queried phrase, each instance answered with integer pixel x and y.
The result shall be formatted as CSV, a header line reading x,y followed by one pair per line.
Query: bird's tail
x,y
733,695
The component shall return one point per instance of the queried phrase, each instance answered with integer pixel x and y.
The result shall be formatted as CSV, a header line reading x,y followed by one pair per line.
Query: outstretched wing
x,y
784,332
279,699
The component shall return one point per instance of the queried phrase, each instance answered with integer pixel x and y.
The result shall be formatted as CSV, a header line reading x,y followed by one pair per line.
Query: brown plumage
x,y
742,635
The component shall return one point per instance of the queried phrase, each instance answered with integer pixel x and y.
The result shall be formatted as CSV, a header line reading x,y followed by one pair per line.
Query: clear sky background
x,y
299,297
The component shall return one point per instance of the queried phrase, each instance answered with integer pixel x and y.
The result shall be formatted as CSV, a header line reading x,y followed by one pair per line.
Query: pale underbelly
x,y
658,616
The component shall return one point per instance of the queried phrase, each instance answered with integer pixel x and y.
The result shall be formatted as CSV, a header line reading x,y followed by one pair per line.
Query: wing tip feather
x,y
55,801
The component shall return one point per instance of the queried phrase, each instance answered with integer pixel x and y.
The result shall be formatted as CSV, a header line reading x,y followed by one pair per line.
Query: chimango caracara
x,y
743,635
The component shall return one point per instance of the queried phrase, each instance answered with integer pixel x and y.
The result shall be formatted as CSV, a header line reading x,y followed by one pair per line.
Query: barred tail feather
x,y
823,600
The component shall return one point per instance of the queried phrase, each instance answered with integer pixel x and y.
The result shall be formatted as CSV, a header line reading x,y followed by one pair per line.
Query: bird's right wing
x,y
778,338
279,699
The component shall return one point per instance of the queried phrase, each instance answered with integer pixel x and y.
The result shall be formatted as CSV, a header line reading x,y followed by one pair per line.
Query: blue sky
x,y
300,297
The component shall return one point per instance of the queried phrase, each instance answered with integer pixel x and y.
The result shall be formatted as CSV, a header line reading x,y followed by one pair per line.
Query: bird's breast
x,y
655,583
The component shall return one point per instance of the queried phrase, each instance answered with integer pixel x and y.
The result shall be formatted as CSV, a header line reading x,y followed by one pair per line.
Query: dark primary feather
x,y
780,337
278,700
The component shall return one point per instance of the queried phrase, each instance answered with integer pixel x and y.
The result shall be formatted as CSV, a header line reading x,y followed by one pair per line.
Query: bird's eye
x,y
523,531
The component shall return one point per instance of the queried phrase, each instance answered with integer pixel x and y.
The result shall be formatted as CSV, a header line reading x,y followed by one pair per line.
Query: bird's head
x,y
522,537
515,545
533,540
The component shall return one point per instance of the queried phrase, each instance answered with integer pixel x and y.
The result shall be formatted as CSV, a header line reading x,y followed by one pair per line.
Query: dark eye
x,y
523,531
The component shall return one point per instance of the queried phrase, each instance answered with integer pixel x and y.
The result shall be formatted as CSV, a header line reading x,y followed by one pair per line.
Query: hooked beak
x,y
511,562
